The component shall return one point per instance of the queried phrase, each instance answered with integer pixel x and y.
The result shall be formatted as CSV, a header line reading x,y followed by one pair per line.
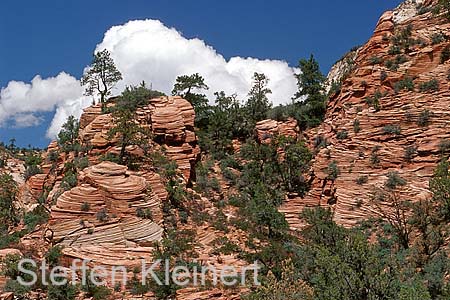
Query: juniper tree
x,y
101,76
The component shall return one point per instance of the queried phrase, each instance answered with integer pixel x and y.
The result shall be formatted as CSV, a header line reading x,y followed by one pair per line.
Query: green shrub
x,y
66,291
35,217
394,180
69,181
144,213
394,50
374,157
53,156
383,76
81,163
102,215
356,126
374,101
110,157
342,135
429,86
438,38
85,206
410,153
424,118
333,171
53,255
392,129
31,171
406,84
320,142
444,146
445,54
362,179
374,60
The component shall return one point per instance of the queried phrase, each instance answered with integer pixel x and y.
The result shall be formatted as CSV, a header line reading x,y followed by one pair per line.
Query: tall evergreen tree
x,y
311,99
258,104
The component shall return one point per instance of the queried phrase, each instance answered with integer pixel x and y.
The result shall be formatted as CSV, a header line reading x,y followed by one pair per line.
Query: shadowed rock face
x,y
355,154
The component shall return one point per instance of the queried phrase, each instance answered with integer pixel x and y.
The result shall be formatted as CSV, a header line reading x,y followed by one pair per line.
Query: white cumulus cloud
x,y
143,50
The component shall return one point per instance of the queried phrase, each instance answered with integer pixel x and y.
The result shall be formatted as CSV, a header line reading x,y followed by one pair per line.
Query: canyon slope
x,y
383,116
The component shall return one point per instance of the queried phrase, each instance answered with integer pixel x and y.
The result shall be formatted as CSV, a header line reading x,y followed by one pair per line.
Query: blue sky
x,y
47,37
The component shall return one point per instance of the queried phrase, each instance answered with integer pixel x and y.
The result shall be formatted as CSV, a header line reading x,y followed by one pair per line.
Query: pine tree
x,y
101,76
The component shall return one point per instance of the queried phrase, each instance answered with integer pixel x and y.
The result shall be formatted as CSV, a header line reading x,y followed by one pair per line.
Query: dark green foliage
x,y
443,6
53,156
394,64
406,84
342,135
374,157
356,126
126,128
445,54
227,121
134,97
444,146
394,180
374,101
67,137
429,86
85,207
186,86
410,153
91,289
33,218
310,81
206,182
144,213
374,60
32,165
31,171
101,76
53,255
335,88
66,291
225,246
362,179
438,38
392,129
10,269
69,180
333,170
258,105
8,193
383,76
424,118
102,215
402,40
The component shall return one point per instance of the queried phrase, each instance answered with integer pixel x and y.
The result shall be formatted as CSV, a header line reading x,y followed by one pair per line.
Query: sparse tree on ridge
x,y
185,86
258,104
101,76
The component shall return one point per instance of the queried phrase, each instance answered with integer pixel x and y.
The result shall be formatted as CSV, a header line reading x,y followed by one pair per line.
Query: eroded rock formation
x,y
405,133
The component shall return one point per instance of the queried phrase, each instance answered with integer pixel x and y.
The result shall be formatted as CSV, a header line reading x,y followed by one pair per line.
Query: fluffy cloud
x,y
21,103
143,50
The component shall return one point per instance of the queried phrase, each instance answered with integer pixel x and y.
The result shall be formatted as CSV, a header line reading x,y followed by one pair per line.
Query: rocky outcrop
x,y
266,129
405,133
169,119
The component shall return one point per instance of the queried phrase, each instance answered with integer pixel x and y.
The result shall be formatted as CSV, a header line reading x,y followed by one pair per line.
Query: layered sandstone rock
x,y
170,120
267,129
356,154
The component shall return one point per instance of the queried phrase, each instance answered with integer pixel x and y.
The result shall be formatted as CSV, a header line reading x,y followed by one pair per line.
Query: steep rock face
x,y
366,142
